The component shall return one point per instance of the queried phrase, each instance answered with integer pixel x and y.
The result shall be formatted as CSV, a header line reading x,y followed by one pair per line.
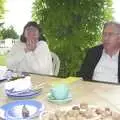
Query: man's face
x,y
110,37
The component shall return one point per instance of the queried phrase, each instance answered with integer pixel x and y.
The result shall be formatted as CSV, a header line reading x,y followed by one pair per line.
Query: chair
x,y
56,63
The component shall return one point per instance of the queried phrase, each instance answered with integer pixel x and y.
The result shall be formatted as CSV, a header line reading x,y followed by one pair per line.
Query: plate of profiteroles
x,y
82,111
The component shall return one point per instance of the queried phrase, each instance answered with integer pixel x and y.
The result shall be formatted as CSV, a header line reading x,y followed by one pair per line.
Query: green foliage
x,y
2,10
8,33
71,26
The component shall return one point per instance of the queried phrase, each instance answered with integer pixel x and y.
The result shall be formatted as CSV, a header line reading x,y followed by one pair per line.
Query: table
x,y
100,94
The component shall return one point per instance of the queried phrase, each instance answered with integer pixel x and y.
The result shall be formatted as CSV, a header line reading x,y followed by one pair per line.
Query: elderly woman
x,y
31,54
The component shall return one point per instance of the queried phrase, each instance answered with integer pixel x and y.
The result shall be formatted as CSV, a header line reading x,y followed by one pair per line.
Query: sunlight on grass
x,y
2,60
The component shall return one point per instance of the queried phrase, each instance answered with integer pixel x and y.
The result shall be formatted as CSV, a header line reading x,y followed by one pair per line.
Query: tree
x,y
8,33
2,10
71,26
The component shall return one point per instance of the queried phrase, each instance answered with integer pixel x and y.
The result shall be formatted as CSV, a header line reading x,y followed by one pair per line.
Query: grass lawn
x,y
2,60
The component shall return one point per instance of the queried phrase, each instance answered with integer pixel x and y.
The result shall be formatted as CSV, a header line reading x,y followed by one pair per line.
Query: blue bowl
x,y
14,109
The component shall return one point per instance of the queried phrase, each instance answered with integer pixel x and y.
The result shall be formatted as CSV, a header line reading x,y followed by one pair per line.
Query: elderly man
x,y
102,63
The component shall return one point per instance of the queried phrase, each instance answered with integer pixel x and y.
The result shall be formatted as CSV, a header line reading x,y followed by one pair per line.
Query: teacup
x,y
60,91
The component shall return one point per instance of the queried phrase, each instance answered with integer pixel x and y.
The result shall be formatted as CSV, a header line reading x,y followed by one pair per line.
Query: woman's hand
x,y
31,45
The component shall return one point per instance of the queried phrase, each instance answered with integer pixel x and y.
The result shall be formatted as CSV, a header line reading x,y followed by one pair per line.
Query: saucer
x,y
53,100
24,94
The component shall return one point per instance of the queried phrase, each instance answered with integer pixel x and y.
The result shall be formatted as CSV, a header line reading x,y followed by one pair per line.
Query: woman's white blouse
x,y
37,61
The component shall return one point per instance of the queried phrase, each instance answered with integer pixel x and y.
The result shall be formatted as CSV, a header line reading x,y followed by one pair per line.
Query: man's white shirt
x,y
107,68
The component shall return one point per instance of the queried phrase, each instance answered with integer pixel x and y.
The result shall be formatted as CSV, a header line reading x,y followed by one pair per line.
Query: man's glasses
x,y
110,34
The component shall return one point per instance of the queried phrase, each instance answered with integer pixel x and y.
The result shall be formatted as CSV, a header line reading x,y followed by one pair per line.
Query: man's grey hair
x,y
112,23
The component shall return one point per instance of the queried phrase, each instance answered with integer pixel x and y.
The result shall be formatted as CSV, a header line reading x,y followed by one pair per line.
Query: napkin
x,y
21,84
2,113
68,80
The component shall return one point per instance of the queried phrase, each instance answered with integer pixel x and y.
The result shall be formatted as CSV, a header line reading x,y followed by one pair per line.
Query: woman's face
x,y
31,33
